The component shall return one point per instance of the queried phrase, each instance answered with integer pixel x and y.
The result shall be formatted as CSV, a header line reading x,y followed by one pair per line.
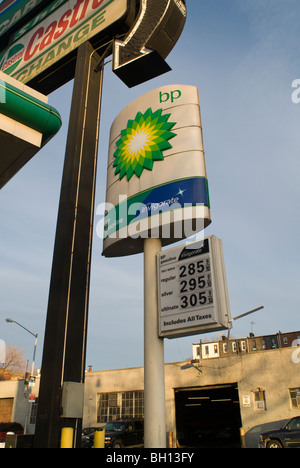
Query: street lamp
x,y
239,317
9,320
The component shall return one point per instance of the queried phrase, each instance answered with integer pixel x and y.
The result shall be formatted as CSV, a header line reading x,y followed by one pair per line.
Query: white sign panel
x,y
192,289
156,178
246,401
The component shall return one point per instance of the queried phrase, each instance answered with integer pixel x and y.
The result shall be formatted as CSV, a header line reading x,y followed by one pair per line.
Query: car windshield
x,y
293,424
88,430
115,426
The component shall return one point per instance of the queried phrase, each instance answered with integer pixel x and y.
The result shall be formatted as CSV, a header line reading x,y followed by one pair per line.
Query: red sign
x,y
32,398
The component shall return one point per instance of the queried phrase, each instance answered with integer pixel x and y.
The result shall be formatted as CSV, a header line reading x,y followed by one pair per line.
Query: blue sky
x,y
243,57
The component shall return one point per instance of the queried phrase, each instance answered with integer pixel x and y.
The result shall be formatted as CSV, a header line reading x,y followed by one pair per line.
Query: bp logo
x,y
10,61
142,143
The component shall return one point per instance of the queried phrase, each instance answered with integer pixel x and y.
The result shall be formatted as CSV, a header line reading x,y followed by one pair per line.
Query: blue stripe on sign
x,y
183,192
193,191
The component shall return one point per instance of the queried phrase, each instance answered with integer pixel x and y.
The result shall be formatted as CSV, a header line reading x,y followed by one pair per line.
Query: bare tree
x,y
14,367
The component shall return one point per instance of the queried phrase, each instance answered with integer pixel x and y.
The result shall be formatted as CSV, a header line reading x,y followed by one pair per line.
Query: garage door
x,y
6,407
208,416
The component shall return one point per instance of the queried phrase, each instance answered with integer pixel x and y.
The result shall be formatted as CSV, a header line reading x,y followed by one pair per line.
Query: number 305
x,y
193,300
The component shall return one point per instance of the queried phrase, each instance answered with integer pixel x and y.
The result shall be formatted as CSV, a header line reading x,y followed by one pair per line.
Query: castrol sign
x,y
39,45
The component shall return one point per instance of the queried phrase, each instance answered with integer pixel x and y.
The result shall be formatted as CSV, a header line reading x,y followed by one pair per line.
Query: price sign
x,y
192,289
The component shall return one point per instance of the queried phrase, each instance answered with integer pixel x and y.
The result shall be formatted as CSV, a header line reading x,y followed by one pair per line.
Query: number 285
x,y
191,269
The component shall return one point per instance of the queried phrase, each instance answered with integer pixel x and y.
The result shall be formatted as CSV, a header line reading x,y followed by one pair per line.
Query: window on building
x,y
285,340
259,400
254,345
295,397
234,346
103,408
207,350
112,406
216,349
6,408
139,404
273,343
224,347
113,400
127,404
33,411
243,345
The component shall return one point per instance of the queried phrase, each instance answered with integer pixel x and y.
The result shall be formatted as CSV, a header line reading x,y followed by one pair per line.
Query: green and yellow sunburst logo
x,y
142,143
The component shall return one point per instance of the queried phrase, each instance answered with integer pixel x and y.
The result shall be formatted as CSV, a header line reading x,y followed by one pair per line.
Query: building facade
x,y
208,401
225,347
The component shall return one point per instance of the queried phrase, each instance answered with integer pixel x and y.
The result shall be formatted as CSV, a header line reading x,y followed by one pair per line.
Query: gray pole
x,y
154,373
34,354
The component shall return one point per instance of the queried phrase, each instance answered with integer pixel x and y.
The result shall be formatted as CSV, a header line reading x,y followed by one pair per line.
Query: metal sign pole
x,y
154,372
66,326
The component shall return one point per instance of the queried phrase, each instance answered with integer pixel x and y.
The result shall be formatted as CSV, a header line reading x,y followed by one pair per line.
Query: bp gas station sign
x,y
156,176
192,289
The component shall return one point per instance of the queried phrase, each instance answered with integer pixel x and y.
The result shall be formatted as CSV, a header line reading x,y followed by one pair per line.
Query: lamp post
x,y
9,320
239,317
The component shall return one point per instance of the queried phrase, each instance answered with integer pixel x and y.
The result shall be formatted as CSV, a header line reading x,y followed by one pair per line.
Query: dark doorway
x,y
208,416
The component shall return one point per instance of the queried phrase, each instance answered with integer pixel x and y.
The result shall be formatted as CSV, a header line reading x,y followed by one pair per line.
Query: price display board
x,y
192,289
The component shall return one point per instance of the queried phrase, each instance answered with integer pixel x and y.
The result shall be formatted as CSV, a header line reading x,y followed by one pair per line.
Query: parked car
x,y
288,436
87,438
14,427
119,434
126,433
